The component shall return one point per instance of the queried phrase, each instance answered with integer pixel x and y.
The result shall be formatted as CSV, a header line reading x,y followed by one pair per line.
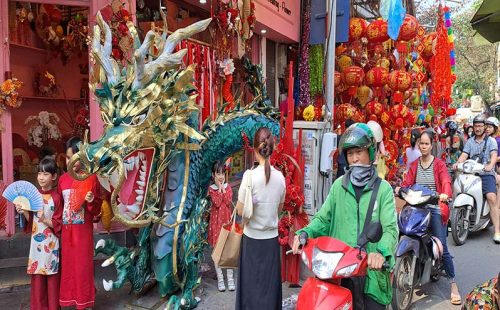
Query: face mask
x,y
359,175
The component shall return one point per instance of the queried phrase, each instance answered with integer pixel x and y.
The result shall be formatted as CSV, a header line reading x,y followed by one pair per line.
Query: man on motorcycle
x,y
343,214
484,149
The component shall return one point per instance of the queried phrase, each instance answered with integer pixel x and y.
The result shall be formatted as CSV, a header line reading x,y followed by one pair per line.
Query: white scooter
x,y
470,211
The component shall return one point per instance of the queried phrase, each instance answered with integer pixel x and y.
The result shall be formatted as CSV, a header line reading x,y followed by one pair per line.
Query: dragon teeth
x,y
136,159
139,198
141,156
139,192
134,209
140,183
142,175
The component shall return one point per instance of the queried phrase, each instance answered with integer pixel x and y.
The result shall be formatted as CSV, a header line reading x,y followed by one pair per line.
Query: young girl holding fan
x,y
43,262
221,196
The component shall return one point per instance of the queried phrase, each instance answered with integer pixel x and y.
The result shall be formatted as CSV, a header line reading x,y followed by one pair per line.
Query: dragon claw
x,y
108,262
100,244
108,285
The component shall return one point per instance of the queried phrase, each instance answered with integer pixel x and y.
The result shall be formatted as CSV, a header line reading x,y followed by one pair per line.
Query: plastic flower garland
x,y
45,127
9,94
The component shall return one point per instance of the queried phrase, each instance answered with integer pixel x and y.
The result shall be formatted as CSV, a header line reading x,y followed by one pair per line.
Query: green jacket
x,y
338,216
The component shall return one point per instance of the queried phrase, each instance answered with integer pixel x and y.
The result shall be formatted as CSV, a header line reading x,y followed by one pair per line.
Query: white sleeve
x,y
243,188
283,192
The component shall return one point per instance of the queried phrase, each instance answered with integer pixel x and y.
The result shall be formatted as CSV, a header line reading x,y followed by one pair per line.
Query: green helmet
x,y
358,135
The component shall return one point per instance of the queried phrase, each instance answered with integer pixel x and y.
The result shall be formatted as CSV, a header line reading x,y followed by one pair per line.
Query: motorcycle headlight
x,y
346,271
324,263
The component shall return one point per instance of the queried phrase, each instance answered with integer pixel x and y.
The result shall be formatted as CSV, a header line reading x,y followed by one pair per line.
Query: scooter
x,y
418,253
470,211
332,260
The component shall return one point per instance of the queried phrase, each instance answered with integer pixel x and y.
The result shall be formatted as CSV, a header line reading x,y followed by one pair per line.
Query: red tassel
x,y
3,208
397,97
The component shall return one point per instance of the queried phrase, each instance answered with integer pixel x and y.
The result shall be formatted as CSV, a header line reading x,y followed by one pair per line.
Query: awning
x,y
486,21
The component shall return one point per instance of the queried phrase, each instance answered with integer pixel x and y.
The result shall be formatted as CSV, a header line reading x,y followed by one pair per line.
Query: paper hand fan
x,y
25,194
79,190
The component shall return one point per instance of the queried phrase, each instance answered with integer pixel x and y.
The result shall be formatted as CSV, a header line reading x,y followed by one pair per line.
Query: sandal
x,y
455,300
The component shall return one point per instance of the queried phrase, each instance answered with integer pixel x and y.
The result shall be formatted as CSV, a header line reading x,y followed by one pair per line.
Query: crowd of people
x,y
62,236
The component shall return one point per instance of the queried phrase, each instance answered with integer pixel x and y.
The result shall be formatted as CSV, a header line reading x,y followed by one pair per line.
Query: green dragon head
x,y
146,108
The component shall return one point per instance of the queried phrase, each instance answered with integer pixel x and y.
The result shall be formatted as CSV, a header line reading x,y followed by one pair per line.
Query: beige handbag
x,y
248,203
226,252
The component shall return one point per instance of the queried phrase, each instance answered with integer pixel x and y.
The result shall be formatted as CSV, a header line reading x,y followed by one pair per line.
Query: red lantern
x,y
399,82
377,78
399,110
357,28
337,79
374,107
353,76
376,31
344,112
385,118
427,43
409,28
392,150
399,123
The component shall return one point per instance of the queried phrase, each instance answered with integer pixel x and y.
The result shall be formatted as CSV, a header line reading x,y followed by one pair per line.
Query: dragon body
x,y
156,163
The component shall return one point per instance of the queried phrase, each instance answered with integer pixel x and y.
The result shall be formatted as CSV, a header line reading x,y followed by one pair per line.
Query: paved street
x,y
475,262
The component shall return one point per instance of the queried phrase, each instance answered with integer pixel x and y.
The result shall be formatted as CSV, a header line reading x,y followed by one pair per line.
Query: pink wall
x,y
272,16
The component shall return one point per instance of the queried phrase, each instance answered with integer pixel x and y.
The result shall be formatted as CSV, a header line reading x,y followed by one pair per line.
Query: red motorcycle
x,y
331,260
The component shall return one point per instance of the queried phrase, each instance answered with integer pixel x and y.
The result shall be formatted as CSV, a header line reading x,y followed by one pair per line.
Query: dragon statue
x,y
156,162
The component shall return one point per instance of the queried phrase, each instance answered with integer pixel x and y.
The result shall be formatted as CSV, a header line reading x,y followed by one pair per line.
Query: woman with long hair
x,y
413,152
431,172
259,272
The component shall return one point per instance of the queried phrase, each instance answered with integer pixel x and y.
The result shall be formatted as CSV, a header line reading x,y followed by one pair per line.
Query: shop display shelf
x,y
50,98
37,49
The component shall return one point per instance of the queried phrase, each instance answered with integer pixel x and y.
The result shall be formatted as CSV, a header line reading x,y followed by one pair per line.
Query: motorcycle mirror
x,y
374,232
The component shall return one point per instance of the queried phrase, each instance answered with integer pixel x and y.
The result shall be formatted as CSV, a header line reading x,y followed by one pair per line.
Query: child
x,y
77,243
221,196
43,263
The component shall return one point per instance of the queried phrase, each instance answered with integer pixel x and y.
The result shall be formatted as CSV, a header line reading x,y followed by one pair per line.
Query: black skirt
x,y
259,275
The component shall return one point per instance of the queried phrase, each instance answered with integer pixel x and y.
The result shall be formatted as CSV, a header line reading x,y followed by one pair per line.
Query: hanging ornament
x,y
344,61
427,45
353,77
357,28
409,29
376,32
399,82
374,107
364,94
337,79
377,78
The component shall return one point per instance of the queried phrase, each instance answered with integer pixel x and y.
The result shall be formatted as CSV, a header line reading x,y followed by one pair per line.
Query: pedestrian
x,y
412,152
343,214
43,262
485,296
484,149
259,272
431,172
221,198
77,240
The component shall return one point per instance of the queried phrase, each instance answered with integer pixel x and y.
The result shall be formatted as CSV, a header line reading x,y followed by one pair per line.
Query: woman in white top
x,y
259,273
413,153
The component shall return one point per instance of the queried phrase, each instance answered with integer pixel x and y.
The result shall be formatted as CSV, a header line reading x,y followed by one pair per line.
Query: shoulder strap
x,y
371,205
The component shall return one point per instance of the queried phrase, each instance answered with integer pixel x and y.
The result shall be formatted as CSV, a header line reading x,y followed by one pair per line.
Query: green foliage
x,y
316,64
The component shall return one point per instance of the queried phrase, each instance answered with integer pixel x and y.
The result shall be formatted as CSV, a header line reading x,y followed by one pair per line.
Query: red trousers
x,y
45,292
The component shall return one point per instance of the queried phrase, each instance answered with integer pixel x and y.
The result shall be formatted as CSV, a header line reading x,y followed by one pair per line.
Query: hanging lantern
x,y
377,78
392,150
399,111
357,28
376,31
427,42
353,77
344,61
384,63
374,107
344,112
409,28
399,82
359,116
337,79
364,95
385,118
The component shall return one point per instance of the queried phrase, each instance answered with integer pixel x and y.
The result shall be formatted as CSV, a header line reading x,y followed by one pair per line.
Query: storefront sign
x,y
281,16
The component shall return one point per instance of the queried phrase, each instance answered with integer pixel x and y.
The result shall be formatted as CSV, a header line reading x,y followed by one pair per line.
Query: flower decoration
x,y
117,17
226,70
9,94
45,84
309,113
226,67
44,127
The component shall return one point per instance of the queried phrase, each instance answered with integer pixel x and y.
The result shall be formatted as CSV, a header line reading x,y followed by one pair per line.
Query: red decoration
x,y
3,208
226,92
399,82
376,31
78,192
344,112
337,79
442,78
427,43
357,28
392,150
409,29
353,76
374,107
377,78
